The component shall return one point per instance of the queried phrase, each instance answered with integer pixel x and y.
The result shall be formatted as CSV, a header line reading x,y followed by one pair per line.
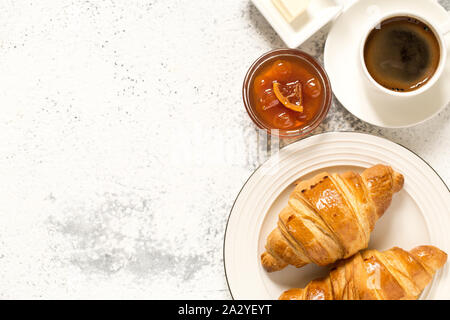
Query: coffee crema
x,y
402,53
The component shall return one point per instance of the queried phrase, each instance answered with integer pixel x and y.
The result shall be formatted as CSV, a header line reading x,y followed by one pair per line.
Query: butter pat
x,y
291,9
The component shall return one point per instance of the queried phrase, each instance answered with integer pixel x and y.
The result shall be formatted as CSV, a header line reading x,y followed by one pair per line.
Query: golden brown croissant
x,y
394,274
330,217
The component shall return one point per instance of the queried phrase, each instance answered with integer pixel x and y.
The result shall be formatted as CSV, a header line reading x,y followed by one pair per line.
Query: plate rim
x,y
298,141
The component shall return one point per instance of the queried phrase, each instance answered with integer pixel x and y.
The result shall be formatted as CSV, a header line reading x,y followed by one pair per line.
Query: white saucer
x,y
350,85
318,14
419,213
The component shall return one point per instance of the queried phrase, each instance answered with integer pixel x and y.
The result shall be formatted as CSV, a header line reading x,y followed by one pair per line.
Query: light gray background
x,y
124,142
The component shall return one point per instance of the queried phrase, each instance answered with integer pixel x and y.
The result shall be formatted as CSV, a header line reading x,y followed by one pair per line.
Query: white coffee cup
x,y
439,32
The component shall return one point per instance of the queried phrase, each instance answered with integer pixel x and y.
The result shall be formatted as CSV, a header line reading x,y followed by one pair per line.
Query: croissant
x,y
394,274
330,217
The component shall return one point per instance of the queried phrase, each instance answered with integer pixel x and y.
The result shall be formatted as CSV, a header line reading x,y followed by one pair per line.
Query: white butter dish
x,y
318,14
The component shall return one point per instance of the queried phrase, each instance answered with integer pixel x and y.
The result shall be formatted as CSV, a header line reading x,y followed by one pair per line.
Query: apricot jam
x,y
286,71
297,102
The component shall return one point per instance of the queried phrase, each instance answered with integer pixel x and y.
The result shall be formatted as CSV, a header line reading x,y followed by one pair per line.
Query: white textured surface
x,y
124,142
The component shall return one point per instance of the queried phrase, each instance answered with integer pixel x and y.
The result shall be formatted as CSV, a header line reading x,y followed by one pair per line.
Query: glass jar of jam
x,y
287,90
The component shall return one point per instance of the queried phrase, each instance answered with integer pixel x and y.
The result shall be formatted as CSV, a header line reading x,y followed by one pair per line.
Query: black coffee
x,y
402,53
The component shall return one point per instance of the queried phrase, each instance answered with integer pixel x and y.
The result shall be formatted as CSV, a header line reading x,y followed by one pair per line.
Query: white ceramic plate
x,y
418,215
318,14
350,86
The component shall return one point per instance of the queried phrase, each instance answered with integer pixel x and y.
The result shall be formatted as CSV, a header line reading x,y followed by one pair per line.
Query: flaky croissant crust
x,y
330,217
394,274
